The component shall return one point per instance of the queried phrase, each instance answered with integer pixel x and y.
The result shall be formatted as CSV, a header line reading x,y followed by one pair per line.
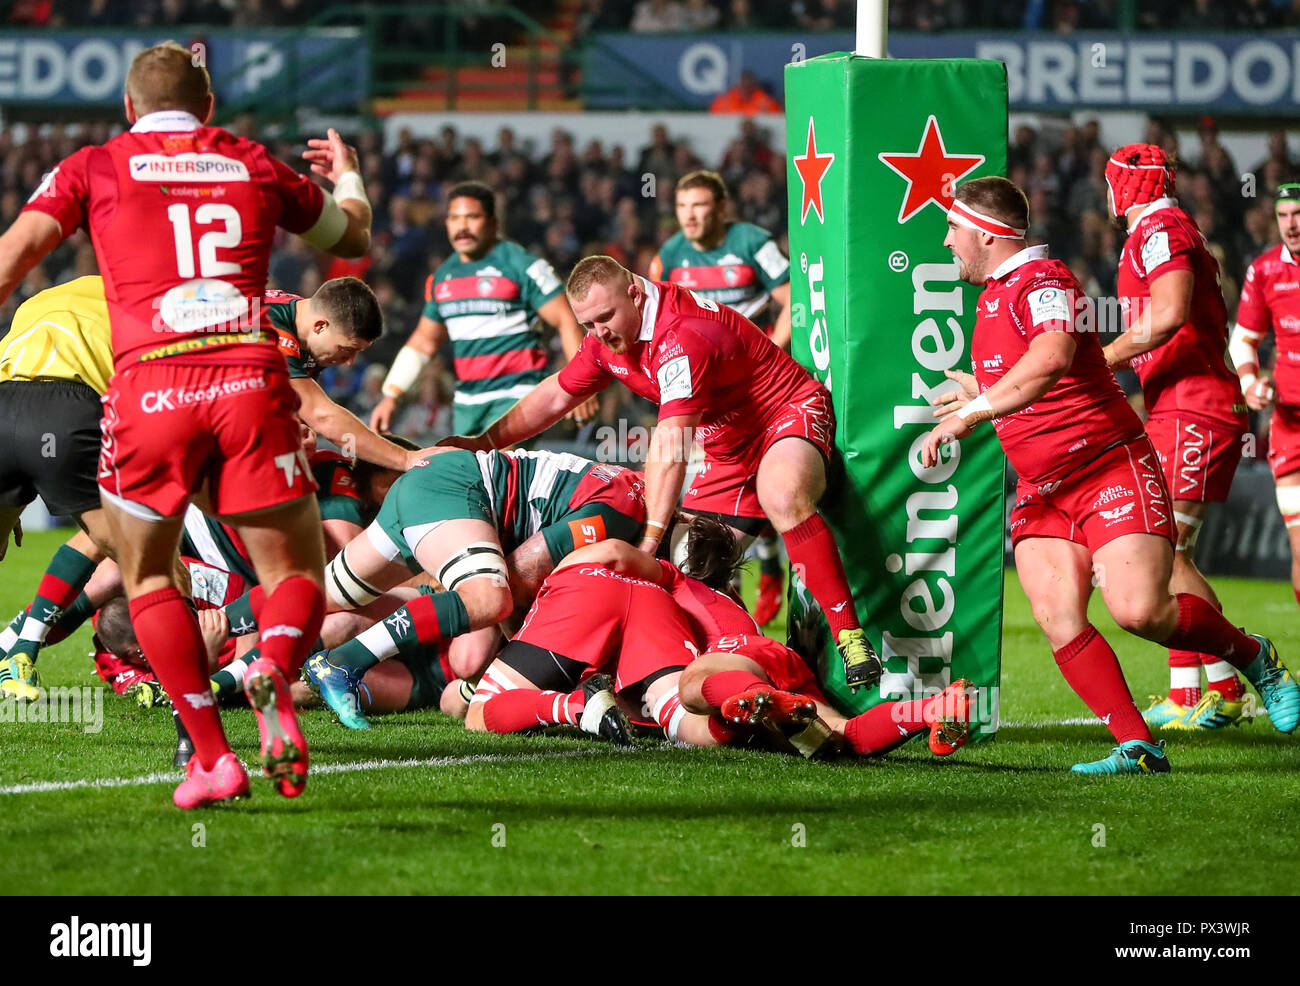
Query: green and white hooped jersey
x,y
740,272
488,306
519,493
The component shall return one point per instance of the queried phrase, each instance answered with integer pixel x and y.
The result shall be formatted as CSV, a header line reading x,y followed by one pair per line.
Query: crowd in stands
x,y
1061,16
564,201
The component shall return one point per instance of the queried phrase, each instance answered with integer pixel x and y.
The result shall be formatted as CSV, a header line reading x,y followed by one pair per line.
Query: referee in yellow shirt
x,y
55,362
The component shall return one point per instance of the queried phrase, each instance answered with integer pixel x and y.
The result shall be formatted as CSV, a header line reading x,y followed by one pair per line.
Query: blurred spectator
x,y
700,15
655,16
825,15
1279,158
747,97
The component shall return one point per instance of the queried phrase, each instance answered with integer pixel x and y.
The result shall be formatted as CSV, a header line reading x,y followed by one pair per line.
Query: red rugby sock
x,y
813,553
1092,670
256,600
1204,628
721,685
885,726
289,623
524,708
720,730
169,637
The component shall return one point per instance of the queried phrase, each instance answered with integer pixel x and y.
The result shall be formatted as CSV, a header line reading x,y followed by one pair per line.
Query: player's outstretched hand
x,y
967,381
950,429
951,401
330,157
471,443
1260,394
381,418
585,411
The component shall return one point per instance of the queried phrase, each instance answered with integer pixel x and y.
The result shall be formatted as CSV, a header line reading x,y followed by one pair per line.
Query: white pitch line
x,y
173,776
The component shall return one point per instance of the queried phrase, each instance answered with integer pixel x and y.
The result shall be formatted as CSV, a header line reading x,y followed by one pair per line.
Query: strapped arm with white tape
x,y
1243,347
404,372
977,410
350,186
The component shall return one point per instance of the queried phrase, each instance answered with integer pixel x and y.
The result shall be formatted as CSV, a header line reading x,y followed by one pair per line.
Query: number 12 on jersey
x,y
210,213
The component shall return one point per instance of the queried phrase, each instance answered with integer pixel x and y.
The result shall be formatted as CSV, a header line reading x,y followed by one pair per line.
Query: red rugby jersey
x,y
710,614
1270,299
1188,374
182,217
1086,412
694,355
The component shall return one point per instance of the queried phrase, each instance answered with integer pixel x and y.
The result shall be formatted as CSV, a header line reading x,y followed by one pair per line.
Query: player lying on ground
x,y
1091,507
1175,336
767,428
536,506
611,608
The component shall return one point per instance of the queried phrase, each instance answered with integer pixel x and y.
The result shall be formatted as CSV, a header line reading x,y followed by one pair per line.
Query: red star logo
x,y
931,173
812,168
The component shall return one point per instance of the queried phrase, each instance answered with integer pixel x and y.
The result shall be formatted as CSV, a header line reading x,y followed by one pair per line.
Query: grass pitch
x,y
417,805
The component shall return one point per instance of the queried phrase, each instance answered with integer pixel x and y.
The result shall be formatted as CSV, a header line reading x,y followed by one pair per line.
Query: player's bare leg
x,y
62,585
680,725
1288,502
791,480
1134,575
464,555
509,701
1057,577
732,690
1223,701
288,553
9,525
169,636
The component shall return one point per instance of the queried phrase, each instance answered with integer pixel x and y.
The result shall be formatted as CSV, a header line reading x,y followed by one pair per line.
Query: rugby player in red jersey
x,y
1270,301
1091,496
1175,336
182,217
732,678
766,427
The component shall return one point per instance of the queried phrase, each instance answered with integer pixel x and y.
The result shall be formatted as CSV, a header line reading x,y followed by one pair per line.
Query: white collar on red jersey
x,y
166,120
1164,203
1287,257
650,310
1019,259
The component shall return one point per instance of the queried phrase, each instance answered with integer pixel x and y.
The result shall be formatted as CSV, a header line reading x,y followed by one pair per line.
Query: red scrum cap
x,y
1137,174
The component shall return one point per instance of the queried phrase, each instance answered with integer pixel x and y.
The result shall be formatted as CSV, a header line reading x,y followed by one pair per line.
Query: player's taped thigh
x,y
1187,538
344,587
1288,502
537,667
668,711
546,669
479,559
